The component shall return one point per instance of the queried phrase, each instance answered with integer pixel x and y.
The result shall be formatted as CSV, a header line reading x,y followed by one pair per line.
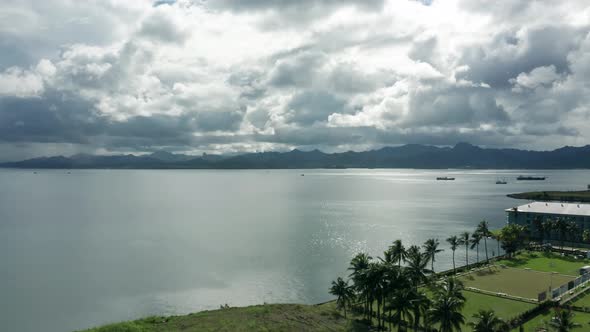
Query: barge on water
x,y
445,178
531,178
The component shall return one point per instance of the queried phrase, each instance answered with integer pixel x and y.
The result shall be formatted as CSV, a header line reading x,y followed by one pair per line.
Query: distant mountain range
x,y
462,155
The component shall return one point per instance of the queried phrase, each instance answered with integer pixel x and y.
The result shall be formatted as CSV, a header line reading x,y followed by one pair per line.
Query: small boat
x,y
445,178
302,174
501,182
531,178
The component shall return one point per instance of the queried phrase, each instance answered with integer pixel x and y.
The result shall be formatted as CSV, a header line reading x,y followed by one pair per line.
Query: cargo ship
x,y
531,178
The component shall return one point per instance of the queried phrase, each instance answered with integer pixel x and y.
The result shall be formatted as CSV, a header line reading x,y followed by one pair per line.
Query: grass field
x,y
547,262
504,308
514,281
542,321
583,301
270,317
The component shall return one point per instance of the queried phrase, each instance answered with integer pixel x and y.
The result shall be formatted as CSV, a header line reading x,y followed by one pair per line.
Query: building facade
x,y
531,213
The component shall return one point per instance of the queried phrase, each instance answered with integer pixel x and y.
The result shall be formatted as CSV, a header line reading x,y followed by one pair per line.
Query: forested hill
x,y
462,155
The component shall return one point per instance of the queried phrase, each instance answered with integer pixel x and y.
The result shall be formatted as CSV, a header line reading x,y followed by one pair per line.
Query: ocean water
x,y
90,247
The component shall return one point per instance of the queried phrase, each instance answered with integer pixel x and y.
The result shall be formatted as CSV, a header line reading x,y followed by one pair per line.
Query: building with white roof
x,y
526,214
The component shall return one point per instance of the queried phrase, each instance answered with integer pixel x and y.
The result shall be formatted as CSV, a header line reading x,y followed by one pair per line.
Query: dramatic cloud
x,y
225,75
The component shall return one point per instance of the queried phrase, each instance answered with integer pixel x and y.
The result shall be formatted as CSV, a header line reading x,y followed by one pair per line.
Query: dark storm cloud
x,y
455,106
369,136
288,14
308,107
161,26
16,52
250,83
297,70
216,120
38,29
55,117
511,54
423,50
312,69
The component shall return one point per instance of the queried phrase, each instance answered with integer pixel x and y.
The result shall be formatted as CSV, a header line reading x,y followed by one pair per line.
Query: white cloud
x,y
256,72
537,77
19,82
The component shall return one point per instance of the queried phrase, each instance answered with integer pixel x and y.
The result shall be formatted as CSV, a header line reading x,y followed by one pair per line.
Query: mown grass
x,y
269,317
514,281
546,262
582,301
504,308
543,321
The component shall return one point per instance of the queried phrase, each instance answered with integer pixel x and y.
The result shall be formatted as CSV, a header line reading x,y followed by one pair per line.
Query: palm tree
x,y
454,242
447,305
396,279
359,266
401,306
573,230
563,320
561,226
398,252
512,236
498,238
475,240
376,286
540,227
417,263
431,249
420,306
464,240
487,321
343,292
452,287
484,231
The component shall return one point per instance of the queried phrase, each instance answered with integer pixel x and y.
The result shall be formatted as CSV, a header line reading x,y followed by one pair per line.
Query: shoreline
x,y
582,196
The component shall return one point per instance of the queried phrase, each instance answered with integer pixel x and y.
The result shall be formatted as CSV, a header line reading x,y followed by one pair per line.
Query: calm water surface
x,y
99,246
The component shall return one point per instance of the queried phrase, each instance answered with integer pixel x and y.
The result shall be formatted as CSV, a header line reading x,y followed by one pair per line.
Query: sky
x,y
227,76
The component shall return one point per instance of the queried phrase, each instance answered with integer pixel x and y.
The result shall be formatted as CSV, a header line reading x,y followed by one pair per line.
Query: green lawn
x,y
271,317
542,321
583,301
503,307
547,262
514,281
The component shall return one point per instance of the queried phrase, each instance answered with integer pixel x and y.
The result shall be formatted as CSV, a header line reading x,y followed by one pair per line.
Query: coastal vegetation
x,y
267,317
561,196
401,291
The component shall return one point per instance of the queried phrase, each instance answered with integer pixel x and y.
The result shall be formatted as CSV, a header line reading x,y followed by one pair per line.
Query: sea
x,y
81,248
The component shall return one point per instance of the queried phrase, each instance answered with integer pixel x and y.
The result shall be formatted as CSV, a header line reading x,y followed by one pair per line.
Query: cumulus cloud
x,y
540,76
220,76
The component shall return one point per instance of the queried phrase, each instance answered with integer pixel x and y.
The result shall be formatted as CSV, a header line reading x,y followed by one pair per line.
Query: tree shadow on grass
x,y
486,272
358,326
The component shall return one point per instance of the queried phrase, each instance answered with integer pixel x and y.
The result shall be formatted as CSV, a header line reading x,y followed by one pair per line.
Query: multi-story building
x,y
543,211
